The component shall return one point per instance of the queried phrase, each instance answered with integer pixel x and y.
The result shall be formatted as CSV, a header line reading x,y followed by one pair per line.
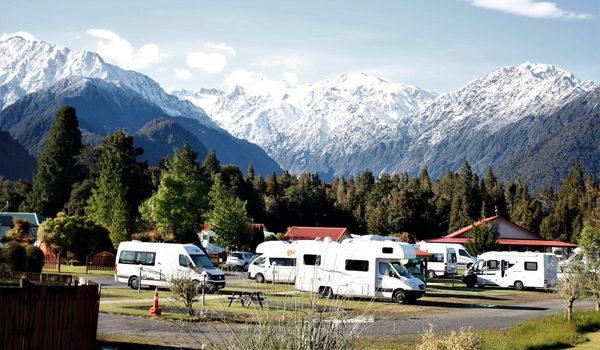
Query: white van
x,y
357,267
516,269
276,262
443,260
158,263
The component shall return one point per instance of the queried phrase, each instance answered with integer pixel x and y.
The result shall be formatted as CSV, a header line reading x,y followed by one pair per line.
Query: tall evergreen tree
x,y
56,169
120,185
228,217
465,202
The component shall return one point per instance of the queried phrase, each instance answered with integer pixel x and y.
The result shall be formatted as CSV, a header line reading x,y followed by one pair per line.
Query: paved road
x,y
192,335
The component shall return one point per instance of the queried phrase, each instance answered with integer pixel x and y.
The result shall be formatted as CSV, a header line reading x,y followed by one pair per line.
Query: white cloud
x,y
24,35
115,49
221,47
530,8
208,62
182,73
290,62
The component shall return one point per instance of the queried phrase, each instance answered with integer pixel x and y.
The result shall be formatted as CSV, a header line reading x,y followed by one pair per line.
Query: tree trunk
x,y
569,310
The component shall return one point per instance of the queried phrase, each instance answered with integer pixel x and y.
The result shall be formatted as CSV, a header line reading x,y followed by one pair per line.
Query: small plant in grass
x,y
570,288
320,327
185,290
463,339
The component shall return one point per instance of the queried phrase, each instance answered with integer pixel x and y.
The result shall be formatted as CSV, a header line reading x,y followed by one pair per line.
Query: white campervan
x,y
276,262
357,267
442,261
158,263
516,269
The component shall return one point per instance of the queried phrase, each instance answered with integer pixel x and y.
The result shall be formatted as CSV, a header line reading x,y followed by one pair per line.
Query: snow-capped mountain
x,y
309,127
28,66
354,122
461,125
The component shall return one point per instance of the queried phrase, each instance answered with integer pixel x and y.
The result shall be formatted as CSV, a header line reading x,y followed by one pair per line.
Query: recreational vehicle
x,y
357,268
516,269
442,261
155,264
276,262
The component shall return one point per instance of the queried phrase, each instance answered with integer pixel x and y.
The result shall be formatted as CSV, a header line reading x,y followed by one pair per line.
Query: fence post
x,y
87,263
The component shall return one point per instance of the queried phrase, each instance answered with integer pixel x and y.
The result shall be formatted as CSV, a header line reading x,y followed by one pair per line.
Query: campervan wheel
x,y
327,292
430,274
519,285
260,278
133,282
399,297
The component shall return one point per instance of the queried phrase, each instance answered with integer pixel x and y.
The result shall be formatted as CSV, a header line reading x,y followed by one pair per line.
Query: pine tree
x,y
228,217
56,169
121,183
177,207
465,201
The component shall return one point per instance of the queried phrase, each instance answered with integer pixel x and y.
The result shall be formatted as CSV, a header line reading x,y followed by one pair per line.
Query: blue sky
x,y
437,45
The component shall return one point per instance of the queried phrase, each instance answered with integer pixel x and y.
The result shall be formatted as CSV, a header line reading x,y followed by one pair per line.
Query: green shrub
x,y
14,257
34,258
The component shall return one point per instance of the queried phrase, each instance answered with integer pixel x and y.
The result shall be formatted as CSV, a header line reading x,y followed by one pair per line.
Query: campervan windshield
x,y
201,261
396,266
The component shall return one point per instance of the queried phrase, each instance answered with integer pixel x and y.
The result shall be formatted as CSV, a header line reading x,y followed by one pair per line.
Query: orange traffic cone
x,y
155,309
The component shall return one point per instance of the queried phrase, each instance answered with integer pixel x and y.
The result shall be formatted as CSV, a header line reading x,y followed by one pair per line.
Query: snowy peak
x,y
28,66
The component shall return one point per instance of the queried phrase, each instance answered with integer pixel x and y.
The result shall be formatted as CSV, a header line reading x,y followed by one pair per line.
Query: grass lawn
x,y
552,332
77,270
593,342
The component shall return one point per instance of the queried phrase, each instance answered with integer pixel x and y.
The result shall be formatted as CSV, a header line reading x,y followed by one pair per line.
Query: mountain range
x,y
531,121
36,78
355,122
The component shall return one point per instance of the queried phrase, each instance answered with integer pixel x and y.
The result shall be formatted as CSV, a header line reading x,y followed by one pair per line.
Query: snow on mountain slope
x,y
306,128
461,125
28,66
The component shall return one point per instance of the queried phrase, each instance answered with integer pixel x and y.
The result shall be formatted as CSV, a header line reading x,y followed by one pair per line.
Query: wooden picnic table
x,y
246,298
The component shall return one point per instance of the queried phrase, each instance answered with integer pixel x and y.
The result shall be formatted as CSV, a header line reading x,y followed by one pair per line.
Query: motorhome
x,y
155,264
357,268
443,259
516,269
276,262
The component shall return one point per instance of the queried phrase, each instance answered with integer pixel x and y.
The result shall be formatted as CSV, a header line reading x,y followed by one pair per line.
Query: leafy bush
x,y
34,258
186,291
14,257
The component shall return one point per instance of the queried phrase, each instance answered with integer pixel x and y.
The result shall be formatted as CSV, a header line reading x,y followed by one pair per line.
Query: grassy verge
x,y
77,270
547,333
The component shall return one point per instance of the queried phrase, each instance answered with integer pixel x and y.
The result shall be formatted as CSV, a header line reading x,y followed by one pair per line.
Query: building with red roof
x,y
298,233
510,237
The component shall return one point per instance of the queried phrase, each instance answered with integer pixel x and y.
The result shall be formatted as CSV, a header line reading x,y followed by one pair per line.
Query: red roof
x,y
422,254
296,233
505,241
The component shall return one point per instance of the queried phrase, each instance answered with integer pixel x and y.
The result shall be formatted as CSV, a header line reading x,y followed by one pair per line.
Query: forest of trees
x,y
107,186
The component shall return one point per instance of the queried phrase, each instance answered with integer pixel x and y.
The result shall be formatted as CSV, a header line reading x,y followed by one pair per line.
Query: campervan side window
x,y
531,266
493,265
312,259
260,262
137,258
184,260
283,261
357,265
387,250
437,257
463,252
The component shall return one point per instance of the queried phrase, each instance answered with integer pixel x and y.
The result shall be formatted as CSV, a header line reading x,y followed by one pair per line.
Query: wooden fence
x,y
103,261
42,312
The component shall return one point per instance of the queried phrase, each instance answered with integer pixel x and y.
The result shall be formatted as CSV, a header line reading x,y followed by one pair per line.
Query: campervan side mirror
x,y
390,273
